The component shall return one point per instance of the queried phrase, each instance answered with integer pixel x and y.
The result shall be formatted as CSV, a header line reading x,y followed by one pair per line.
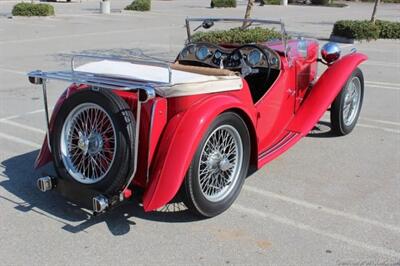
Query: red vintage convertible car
x,y
197,126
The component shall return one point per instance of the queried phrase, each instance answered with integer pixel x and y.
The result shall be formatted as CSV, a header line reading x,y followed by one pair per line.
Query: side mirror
x,y
207,24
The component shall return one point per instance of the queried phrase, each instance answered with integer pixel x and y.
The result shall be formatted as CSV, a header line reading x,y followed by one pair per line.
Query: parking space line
x,y
383,64
12,71
305,227
20,140
24,114
80,35
391,130
317,207
381,121
29,23
37,111
9,117
382,83
12,123
382,87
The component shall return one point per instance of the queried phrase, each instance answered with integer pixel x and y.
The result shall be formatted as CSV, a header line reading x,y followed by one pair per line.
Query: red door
x,y
276,109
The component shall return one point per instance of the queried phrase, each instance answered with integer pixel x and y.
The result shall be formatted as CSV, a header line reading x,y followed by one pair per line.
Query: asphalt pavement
x,y
327,201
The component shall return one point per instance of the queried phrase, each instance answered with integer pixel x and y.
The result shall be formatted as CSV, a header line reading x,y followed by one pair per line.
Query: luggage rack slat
x,y
97,80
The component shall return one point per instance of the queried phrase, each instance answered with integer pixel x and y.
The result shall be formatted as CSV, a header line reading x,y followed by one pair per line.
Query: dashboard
x,y
206,54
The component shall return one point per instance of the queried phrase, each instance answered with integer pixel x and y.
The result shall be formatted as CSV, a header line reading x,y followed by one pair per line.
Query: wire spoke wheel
x,y
346,107
352,101
88,143
220,163
219,167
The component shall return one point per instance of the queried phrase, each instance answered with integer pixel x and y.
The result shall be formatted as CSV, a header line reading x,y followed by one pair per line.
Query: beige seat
x,y
203,70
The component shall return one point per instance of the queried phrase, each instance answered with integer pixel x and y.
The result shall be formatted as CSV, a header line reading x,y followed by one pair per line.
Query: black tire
x,y
191,190
124,124
339,126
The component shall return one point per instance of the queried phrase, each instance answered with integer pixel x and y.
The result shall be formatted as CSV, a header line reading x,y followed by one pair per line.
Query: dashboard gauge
x,y
274,61
254,57
202,53
236,56
217,55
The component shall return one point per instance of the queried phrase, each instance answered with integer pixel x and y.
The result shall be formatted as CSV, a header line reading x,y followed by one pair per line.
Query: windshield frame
x,y
249,21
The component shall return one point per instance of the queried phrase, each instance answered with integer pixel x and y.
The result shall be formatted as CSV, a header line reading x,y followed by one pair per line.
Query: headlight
x,y
330,52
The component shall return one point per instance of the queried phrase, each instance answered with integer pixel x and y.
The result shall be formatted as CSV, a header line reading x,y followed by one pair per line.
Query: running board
x,y
288,140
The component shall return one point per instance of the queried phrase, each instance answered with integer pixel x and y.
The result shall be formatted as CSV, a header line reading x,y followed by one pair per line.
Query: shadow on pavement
x,y
20,180
322,129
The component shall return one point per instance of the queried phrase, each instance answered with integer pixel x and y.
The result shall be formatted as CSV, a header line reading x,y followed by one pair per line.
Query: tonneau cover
x,y
182,83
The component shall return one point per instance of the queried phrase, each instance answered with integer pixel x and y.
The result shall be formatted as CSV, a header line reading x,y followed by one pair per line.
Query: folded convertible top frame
x,y
146,90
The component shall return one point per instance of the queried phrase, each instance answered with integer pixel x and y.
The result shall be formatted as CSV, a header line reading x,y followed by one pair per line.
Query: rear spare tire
x,y
93,140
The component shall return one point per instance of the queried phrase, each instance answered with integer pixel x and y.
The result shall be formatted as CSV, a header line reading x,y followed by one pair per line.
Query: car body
x,y
277,112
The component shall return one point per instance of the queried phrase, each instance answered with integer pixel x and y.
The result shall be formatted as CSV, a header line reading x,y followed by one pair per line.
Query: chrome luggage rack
x,y
146,89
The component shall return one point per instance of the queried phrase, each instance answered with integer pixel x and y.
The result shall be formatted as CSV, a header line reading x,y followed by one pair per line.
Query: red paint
x,y
172,128
180,141
276,108
324,92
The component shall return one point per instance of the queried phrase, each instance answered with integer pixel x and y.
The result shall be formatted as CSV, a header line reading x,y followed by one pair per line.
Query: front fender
x,y
179,143
324,92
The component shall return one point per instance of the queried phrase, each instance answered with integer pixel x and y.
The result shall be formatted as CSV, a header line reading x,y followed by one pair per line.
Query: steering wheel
x,y
254,46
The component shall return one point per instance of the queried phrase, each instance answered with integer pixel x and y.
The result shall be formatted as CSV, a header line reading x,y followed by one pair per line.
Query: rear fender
x,y
324,92
179,143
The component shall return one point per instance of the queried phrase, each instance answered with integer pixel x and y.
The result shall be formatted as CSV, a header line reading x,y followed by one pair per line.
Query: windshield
x,y
234,31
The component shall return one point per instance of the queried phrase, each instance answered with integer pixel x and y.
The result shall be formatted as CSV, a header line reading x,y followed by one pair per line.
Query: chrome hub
x,y
95,143
224,164
214,160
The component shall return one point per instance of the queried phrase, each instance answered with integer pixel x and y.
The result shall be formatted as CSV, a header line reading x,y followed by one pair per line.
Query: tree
x,y
249,7
373,17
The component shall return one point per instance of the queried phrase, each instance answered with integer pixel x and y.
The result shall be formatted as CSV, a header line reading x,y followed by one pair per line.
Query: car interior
x,y
258,65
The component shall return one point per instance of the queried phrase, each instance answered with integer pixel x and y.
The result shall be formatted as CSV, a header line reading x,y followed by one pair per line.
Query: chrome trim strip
x,y
46,111
285,140
150,95
153,110
187,22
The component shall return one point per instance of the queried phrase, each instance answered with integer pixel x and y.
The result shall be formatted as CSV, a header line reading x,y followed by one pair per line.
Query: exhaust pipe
x,y
44,183
100,203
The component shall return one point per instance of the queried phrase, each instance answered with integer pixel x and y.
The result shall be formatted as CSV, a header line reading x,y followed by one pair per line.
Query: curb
x,y
340,39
